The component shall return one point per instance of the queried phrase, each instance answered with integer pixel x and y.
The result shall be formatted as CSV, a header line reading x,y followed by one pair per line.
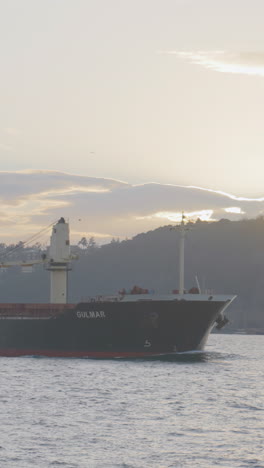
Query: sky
x,y
136,109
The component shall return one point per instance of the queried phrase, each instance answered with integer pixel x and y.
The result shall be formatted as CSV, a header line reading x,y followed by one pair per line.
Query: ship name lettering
x,y
91,314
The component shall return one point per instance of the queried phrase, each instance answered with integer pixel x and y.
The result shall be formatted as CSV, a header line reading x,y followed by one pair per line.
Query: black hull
x,y
98,329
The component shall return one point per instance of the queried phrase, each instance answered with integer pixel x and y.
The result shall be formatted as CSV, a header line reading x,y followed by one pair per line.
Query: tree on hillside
x,y
115,240
83,243
2,247
91,246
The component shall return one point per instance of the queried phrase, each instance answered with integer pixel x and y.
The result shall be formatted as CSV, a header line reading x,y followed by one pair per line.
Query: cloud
x,y
106,208
46,184
245,63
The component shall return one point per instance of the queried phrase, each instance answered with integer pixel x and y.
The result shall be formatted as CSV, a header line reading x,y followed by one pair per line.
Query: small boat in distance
x,y
118,326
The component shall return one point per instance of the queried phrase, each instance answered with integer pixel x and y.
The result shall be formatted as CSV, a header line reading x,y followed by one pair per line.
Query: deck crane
x,y
57,261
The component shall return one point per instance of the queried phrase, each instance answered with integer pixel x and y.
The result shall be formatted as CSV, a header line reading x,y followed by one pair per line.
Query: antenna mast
x,y
181,255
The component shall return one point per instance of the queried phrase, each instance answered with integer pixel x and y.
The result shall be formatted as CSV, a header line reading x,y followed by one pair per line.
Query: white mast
x,y
59,262
181,256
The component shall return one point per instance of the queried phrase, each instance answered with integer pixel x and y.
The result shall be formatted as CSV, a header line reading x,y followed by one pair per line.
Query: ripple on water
x,y
193,409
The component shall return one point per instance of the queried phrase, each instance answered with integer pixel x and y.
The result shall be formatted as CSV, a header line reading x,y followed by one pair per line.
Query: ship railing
x,y
33,310
112,298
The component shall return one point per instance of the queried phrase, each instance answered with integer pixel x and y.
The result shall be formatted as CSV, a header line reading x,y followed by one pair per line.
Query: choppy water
x,y
201,410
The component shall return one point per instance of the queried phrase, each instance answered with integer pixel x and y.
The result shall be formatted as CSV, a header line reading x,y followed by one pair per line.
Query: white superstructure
x,y
59,262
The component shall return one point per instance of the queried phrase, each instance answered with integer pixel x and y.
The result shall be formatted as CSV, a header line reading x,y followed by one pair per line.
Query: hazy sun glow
x,y
97,235
234,209
203,215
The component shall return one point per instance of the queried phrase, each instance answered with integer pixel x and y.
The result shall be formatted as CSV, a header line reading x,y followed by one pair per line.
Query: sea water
x,y
194,410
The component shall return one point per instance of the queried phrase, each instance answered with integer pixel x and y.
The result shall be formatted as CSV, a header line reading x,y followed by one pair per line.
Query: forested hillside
x,y
227,257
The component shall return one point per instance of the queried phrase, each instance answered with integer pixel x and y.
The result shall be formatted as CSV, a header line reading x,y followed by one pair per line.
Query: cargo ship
x,y
124,325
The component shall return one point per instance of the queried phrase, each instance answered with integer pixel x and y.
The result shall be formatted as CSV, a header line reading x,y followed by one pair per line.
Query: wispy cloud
x,y
245,63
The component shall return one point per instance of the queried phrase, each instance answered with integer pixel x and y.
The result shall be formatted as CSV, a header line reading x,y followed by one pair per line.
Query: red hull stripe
x,y
13,352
